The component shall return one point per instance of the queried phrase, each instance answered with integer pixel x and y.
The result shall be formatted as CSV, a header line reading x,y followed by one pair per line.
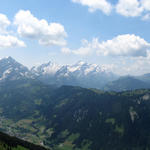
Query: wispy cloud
x,y
94,5
87,48
146,17
4,23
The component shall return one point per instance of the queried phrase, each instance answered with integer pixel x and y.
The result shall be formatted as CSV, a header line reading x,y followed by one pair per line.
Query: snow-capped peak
x,y
80,73
87,68
80,63
79,69
46,68
10,69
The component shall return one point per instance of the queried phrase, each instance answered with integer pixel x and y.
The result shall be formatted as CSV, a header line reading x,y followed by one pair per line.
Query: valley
x,y
73,117
75,75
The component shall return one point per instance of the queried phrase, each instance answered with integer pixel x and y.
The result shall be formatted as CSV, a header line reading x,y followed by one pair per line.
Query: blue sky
x,y
74,30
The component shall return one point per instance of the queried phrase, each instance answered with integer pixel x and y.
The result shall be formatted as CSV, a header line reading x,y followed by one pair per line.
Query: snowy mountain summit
x,y
46,68
10,69
79,74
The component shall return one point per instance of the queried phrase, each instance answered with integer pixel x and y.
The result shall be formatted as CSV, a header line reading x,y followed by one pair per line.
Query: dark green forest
x,y
12,143
75,118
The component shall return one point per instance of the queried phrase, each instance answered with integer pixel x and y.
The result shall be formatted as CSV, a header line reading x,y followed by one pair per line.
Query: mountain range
x,y
35,109
127,83
80,74
75,118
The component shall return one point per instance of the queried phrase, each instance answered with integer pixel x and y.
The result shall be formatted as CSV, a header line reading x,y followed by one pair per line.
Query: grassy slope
x,y
11,143
74,118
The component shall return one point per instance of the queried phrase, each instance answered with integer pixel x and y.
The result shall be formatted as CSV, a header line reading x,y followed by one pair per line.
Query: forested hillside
x,y
75,118
11,143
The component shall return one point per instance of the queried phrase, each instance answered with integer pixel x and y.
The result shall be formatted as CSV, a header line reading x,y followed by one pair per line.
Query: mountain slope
x,y
126,83
79,74
25,94
96,120
12,70
145,77
75,118
20,102
11,143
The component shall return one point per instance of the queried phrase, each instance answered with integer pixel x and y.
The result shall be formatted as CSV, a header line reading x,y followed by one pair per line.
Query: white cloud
x,y
81,51
33,28
146,4
87,48
65,50
129,8
146,17
94,5
4,23
124,45
132,66
134,8
6,40
10,41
